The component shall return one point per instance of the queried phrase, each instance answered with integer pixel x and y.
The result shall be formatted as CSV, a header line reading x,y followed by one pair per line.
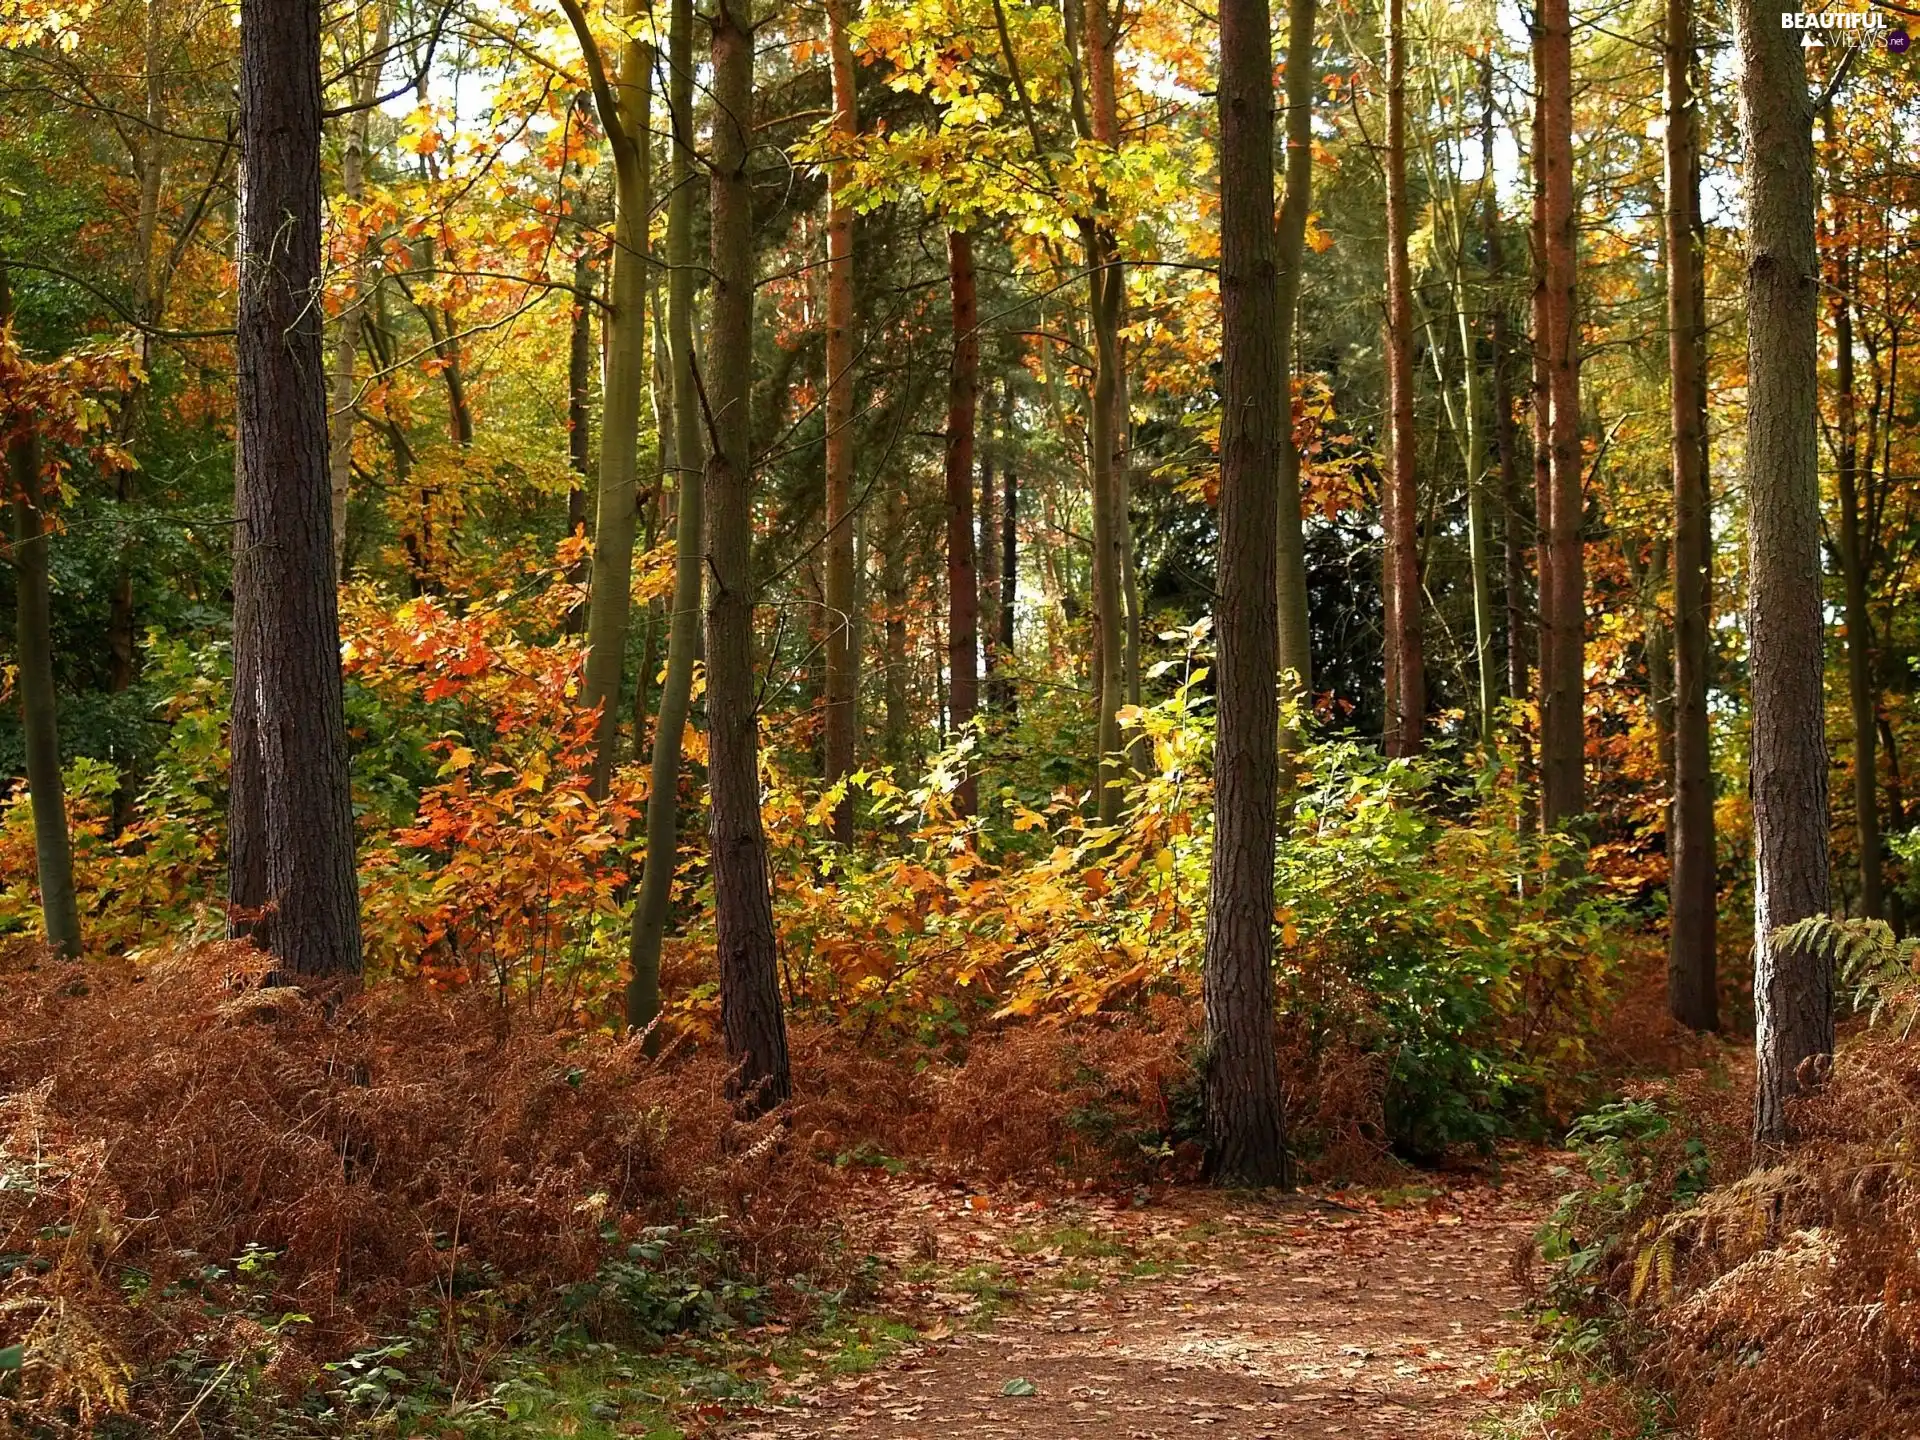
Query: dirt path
x,y
1345,1315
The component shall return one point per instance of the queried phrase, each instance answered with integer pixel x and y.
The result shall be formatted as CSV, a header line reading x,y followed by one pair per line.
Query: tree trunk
x,y
1009,578
1406,714
843,597
1541,418
963,579
1792,986
1563,604
989,563
291,791
39,702
1505,440
1296,630
750,1015
1854,576
624,107
580,397
1479,558
893,589
1693,897
655,902
346,336
1246,1141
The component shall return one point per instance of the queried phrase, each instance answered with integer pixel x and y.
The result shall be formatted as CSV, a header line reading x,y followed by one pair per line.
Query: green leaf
x,y
14,1356
1019,1388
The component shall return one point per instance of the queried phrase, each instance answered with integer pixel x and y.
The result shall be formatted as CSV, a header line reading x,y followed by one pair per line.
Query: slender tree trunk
x,y
1853,571
346,335
1479,558
1563,685
893,589
580,396
291,789
1692,987
1406,715
624,106
1296,630
655,903
843,598
963,580
750,1014
1505,441
989,563
1246,1140
1792,986
39,702
1541,422
1009,579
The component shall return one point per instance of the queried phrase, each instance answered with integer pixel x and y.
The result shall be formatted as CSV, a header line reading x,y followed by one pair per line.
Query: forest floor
x,y
1171,1311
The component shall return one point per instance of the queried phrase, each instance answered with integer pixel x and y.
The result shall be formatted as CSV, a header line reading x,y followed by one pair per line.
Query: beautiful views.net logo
x,y
1846,28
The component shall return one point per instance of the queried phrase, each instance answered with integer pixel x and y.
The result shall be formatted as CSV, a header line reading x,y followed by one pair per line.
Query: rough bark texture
x,y
750,1015
1007,698
963,578
1563,602
655,901
1296,632
290,794
1692,990
1792,986
1245,1137
1407,703
39,702
843,600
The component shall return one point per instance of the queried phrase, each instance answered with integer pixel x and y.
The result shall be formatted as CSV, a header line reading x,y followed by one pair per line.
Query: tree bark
x,y
1693,901
39,701
963,579
1296,630
1854,577
1792,986
1009,699
1246,1141
989,562
750,1013
1563,682
1406,714
580,397
623,102
843,599
655,901
291,793
1541,422
1505,441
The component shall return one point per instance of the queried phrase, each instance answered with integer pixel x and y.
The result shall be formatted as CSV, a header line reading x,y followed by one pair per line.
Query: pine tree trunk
x,y
989,562
1541,422
1009,579
1792,986
1246,1141
1506,442
1563,683
1296,630
963,579
655,902
1693,899
291,789
1406,715
39,702
1479,539
750,1014
624,107
843,599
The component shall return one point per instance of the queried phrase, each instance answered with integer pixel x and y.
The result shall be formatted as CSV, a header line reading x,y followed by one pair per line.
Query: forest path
x,y
1387,1314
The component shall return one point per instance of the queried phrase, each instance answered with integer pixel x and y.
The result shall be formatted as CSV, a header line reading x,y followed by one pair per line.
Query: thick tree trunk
x,y
624,108
1693,895
655,902
963,579
291,794
1563,683
750,1014
843,598
1296,631
39,702
1792,986
1407,704
1246,1141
